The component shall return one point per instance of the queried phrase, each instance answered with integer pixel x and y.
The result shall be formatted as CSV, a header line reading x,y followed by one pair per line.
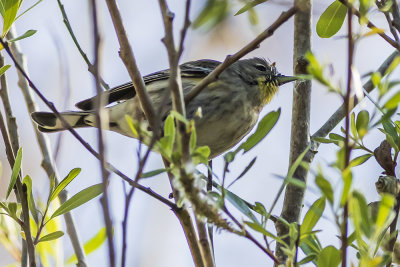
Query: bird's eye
x,y
261,67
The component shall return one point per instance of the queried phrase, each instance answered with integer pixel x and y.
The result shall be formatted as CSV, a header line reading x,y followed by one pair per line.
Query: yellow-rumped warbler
x,y
229,106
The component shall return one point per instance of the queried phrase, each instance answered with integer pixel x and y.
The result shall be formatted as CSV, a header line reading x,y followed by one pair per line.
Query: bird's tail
x,y
48,122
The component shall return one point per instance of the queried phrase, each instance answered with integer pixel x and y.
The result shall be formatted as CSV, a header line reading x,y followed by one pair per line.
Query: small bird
x,y
229,107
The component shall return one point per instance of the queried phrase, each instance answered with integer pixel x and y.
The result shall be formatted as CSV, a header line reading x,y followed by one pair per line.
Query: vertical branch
x,y
344,227
44,146
102,122
300,137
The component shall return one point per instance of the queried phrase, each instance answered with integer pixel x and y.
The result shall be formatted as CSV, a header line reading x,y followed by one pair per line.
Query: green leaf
x,y
10,13
393,65
329,257
385,208
322,140
4,69
360,215
309,258
31,201
71,176
263,128
153,173
353,127
336,137
390,130
214,12
393,101
347,181
259,228
193,141
296,163
362,123
331,20
91,245
325,187
248,167
23,36
312,216
51,236
15,172
376,78
80,198
250,5
359,160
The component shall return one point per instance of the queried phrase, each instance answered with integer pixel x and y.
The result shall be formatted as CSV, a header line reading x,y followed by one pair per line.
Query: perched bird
x,y
229,106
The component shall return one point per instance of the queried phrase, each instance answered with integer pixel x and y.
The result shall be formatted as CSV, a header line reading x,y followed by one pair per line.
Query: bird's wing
x,y
192,69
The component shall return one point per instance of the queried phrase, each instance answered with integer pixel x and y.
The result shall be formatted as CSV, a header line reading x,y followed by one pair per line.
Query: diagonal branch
x,y
128,58
229,60
78,137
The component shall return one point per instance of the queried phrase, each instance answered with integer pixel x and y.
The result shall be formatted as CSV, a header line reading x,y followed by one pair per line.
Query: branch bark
x,y
300,137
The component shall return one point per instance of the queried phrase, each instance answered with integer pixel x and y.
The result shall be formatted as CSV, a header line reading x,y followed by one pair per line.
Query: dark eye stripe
x,y
261,67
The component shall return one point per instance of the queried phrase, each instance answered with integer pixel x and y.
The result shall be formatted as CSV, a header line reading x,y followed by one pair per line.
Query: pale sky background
x,y
155,236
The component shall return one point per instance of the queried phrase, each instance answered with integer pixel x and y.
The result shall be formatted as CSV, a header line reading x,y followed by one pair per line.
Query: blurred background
x,y
155,236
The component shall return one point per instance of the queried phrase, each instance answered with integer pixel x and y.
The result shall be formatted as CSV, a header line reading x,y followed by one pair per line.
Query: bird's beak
x,y
282,79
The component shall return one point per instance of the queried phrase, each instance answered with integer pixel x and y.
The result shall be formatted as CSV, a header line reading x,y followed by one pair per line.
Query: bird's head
x,y
257,71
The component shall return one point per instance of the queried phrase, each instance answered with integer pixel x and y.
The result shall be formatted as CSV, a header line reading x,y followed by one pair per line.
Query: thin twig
x,y
101,122
79,138
251,238
229,60
44,145
91,67
350,47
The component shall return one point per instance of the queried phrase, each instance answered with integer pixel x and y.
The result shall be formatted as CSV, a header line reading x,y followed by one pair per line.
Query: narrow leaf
x,y
4,69
15,172
249,6
91,245
71,176
359,160
153,173
51,236
393,101
313,215
31,201
263,128
80,198
27,34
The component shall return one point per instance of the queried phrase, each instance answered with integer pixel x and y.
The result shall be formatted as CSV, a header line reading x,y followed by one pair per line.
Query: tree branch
x,y
300,137
128,58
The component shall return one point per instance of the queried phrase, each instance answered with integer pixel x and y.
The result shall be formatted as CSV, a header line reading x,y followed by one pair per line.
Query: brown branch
x,y
101,122
229,60
350,48
128,58
300,137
